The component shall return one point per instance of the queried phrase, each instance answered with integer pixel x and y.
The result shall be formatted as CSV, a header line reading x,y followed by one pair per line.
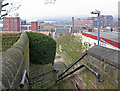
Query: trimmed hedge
x,y
42,48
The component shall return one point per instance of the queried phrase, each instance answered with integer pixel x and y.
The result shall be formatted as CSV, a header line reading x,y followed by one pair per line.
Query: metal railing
x,y
44,73
75,62
81,66
25,75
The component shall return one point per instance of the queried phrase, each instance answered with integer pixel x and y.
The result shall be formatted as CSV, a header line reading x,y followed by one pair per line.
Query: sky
x,y
38,8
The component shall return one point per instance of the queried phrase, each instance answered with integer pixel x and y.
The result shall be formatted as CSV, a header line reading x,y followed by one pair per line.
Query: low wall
x,y
14,61
104,61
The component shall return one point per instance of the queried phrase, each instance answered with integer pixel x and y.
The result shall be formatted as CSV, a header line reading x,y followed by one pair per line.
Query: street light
x,y
97,12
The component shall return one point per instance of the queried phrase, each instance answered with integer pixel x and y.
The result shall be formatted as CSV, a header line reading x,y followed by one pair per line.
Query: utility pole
x,y
119,15
98,27
97,12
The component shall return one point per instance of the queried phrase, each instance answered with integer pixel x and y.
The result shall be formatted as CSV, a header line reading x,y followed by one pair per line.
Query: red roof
x,y
46,33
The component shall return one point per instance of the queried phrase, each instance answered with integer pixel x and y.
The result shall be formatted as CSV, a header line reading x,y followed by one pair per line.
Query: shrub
x,y
42,48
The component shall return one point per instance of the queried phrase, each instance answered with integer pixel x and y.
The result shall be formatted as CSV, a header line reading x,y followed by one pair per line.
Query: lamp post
x,y
97,12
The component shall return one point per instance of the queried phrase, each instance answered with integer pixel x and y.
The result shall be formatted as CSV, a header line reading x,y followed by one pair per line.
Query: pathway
x,y
58,64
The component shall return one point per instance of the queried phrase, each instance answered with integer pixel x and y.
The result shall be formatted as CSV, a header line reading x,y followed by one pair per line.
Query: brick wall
x,y
14,61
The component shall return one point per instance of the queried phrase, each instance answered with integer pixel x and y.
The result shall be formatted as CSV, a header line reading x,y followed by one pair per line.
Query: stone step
x,y
43,84
37,80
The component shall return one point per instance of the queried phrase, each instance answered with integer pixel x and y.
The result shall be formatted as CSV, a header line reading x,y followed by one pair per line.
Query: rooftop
x,y
114,36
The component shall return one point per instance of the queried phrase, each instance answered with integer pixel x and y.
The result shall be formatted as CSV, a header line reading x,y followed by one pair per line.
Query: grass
x,y
71,46
57,50
8,39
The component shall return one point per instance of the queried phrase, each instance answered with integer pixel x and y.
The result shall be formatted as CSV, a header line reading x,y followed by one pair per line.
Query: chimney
x,y
72,24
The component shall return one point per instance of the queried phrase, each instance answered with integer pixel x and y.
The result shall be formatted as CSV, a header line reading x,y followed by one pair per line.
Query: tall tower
x,y
72,24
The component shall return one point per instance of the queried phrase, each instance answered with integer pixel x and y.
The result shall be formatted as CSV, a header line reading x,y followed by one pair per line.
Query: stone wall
x,y
8,39
104,61
14,61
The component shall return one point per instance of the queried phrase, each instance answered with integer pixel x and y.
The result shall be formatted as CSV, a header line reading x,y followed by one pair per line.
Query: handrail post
x,y
23,79
25,75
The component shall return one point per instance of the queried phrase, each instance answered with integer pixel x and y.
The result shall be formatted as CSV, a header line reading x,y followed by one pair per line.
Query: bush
x,y
42,48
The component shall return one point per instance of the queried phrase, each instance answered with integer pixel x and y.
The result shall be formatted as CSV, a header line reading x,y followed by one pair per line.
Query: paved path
x,y
58,64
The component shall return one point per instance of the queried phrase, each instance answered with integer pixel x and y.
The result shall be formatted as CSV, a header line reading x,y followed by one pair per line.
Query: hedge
x,y
42,48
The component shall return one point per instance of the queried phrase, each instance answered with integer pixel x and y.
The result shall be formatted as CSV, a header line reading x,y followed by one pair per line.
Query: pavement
x,y
58,64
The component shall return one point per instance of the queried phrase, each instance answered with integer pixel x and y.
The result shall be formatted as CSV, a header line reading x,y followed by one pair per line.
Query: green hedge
x,y
42,48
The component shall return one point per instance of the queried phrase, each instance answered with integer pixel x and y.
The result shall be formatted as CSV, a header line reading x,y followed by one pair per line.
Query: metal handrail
x,y
44,73
81,57
25,75
81,66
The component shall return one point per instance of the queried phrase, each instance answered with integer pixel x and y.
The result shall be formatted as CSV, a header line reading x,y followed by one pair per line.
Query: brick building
x,y
105,21
83,23
31,26
34,26
11,24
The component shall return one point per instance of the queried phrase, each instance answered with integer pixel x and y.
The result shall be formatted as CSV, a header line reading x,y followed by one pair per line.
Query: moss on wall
x,y
14,61
8,39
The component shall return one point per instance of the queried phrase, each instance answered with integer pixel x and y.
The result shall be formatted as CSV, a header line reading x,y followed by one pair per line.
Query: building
x,y
29,26
105,21
11,24
83,23
61,31
107,39
47,27
34,26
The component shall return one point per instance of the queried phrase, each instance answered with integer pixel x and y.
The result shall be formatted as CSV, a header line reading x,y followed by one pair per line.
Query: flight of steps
x,y
46,81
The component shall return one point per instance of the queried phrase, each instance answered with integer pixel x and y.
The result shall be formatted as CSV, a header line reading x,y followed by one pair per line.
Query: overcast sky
x,y
38,8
